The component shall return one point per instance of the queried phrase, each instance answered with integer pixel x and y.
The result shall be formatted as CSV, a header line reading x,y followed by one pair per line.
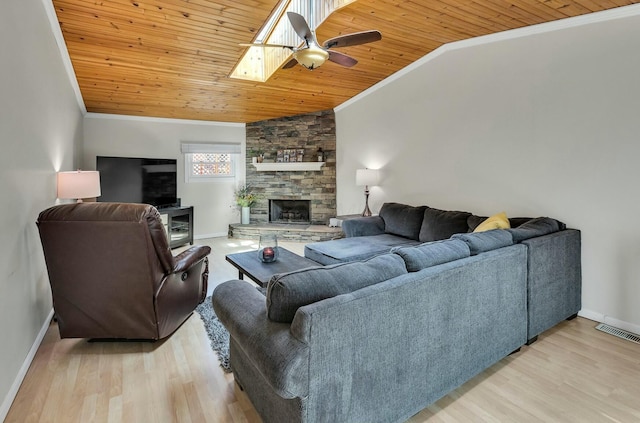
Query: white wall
x,y
111,135
40,133
547,124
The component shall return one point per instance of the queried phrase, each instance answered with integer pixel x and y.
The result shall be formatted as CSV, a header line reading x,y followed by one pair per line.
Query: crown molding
x,y
91,115
547,27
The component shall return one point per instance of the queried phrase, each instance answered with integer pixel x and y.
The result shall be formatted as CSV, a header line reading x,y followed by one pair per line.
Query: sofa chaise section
x,y
397,225
353,249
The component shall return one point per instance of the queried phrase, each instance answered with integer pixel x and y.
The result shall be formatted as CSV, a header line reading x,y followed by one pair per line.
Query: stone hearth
x,y
289,232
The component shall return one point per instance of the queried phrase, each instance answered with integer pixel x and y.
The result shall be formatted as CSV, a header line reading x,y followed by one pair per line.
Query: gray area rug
x,y
218,335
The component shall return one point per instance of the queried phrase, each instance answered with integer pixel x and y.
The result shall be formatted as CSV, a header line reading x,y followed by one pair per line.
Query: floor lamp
x,y
368,178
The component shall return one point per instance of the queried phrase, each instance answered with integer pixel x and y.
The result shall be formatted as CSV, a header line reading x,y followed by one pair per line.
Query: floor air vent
x,y
619,333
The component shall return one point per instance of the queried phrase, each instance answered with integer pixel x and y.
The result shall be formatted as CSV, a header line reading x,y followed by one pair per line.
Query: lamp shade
x,y
78,184
368,177
311,57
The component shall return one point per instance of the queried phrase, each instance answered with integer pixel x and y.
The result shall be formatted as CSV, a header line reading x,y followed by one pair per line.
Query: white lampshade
x,y
368,177
78,184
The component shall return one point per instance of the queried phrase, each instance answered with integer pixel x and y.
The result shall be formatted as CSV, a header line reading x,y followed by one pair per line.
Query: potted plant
x,y
258,155
245,198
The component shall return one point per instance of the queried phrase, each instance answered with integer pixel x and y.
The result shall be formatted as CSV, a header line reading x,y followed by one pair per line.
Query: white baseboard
x,y
214,235
599,317
11,395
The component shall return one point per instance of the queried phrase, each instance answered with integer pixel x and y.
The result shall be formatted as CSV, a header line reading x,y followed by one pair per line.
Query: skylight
x,y
259,63
271,22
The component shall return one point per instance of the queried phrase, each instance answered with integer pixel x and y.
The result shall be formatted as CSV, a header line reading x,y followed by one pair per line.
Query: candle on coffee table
x,y
268,254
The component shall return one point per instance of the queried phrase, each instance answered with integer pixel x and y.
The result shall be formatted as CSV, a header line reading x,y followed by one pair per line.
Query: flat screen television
x,y
138,180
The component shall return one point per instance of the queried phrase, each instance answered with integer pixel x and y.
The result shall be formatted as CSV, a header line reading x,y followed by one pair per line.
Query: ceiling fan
x,y
311,54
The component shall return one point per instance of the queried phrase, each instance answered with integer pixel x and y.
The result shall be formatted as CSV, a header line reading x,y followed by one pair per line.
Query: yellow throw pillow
x,y
497,221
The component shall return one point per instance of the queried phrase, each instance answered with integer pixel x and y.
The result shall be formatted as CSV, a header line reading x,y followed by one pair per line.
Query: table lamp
x,y
78,184
367,177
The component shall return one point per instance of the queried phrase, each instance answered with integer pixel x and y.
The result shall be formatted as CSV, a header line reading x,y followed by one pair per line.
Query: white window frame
x,y
189,149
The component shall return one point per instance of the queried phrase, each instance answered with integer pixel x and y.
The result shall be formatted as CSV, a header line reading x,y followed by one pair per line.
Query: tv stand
x,y
178,223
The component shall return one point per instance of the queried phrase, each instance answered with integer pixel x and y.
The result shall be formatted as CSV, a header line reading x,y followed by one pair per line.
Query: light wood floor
x,y
573,373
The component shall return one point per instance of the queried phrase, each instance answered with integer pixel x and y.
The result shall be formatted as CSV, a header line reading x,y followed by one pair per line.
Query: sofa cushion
x,y
479,242
497,221
535,227
432,253
288,291
352,249
441,224
402,220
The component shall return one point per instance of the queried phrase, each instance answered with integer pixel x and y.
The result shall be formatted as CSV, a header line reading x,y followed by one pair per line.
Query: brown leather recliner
x,y
113,275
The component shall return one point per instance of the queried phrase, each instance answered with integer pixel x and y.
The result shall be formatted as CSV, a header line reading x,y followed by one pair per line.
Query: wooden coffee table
x,y
250,265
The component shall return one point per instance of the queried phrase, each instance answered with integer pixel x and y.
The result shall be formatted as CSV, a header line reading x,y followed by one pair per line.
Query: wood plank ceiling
x,y
172,58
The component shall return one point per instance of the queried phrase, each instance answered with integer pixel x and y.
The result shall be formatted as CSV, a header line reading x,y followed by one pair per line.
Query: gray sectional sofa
x,y
380,339
554,278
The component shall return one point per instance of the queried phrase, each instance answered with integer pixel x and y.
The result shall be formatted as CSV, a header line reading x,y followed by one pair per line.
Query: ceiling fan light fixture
x,y
311,57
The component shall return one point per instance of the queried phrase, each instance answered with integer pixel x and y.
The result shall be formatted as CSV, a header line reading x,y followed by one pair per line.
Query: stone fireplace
x,y
289,211
315,189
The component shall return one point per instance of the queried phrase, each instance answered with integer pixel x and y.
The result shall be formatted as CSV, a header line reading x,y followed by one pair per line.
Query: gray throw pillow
x,y
432,253
441,224
535,227
289,291
479,242
402,220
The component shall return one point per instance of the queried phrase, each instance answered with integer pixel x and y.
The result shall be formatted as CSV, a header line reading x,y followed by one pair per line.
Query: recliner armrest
x,y
363,226
189,257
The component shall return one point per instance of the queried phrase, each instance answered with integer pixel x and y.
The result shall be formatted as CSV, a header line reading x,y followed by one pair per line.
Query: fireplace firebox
x,y
289,211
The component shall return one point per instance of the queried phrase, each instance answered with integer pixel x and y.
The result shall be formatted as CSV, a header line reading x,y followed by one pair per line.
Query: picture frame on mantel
x,y
289,155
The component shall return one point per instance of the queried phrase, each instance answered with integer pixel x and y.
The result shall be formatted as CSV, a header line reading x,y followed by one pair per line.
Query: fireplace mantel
x,y
289,167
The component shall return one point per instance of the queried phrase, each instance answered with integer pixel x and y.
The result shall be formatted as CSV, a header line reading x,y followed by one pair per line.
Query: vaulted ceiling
x,y
172,58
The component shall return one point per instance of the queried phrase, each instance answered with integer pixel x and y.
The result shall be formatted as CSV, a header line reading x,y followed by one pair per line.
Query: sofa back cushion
x,y
288,291
402,220
441,224
535,227
479,242
432,253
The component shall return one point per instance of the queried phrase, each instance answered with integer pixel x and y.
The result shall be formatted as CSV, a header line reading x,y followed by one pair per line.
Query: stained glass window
x,y
203,166
206,164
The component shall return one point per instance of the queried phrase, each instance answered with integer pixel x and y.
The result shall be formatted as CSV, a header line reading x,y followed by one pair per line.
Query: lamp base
x,y
366,212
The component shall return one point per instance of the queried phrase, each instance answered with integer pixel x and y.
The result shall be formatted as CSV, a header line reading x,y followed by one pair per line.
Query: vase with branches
x,y
246,197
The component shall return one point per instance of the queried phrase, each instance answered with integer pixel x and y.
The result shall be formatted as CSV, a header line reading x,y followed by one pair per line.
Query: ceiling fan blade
x,y
342,59
291,63
300,25
265,45
354,39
